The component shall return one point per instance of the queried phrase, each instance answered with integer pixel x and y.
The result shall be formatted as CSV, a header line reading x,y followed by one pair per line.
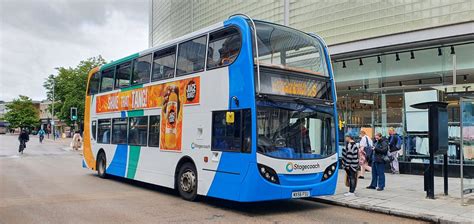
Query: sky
x,y
37,36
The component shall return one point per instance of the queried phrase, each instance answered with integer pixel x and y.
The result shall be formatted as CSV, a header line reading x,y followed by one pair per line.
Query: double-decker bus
x,y
242,110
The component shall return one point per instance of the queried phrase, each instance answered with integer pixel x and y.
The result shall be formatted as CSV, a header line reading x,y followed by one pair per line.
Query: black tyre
x,y
187,182
101,165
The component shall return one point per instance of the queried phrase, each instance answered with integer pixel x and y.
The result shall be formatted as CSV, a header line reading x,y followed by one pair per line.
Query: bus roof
x,y
163,45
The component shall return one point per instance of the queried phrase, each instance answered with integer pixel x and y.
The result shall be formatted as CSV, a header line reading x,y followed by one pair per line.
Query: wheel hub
x,y
188,181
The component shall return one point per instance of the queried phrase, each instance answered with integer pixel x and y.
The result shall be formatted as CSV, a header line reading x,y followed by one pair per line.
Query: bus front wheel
x,y
101,163
187,182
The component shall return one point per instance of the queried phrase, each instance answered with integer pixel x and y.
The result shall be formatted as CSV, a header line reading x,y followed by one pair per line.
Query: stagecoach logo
x,y
198,146
191,90
295,166
289,167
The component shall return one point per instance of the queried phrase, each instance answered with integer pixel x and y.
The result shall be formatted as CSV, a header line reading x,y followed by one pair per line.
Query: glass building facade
x,y
373,93
336,21
385,54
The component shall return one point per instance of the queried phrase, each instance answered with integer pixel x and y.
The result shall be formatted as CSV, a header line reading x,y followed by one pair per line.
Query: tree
x,y
70,88
22,113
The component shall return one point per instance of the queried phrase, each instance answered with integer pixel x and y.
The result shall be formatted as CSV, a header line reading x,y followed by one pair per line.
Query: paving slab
x,y
404,196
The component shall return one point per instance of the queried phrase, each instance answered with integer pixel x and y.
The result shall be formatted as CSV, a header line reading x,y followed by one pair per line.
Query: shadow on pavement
x,y
245,208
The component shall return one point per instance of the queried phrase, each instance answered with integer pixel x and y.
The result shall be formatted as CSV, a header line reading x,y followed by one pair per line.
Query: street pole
x,y
54,133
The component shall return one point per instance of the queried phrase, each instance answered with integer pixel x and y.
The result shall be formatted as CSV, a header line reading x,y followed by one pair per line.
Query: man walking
x,y
395,144
350,163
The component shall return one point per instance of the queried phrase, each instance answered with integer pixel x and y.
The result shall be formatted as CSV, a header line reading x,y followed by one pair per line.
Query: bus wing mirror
x,y
230,117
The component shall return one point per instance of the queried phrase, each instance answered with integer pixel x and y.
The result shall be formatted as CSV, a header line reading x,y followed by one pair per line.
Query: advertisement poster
x,y
171,97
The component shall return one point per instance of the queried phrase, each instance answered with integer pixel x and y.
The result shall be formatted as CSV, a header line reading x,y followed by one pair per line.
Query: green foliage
x,y
70,88
22,113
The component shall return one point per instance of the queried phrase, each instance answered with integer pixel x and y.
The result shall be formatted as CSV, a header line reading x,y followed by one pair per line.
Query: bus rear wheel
x,y
187,182
101,163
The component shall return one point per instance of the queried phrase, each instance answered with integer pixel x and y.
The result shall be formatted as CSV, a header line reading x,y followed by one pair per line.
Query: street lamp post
x,y
52,113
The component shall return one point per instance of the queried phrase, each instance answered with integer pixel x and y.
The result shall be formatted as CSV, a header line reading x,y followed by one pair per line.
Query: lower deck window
x,y
103,132
137,132
231,136
154,131
94,129
119,131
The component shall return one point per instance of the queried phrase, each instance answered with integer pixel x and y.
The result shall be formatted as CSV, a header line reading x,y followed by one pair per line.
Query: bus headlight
x,y
268,173
330,170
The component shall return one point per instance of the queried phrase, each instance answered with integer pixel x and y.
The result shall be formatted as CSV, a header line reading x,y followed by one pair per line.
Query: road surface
x,y
48,185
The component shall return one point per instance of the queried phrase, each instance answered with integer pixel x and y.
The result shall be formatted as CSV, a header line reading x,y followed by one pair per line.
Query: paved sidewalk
x,y
404,196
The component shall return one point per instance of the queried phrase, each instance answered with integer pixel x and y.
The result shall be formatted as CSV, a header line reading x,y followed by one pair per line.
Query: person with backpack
x,y
378,165
395,144
41,135
365,153
350,163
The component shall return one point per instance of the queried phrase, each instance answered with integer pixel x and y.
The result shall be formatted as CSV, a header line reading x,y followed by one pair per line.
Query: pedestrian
x,y
76,141
365,153
378,164
23,138
41,135
350,163
395,144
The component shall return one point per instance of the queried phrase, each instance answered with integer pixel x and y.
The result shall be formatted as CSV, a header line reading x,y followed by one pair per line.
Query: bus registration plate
x,y
300,194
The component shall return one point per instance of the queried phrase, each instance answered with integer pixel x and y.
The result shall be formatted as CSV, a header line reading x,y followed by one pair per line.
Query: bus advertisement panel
x,y
170,96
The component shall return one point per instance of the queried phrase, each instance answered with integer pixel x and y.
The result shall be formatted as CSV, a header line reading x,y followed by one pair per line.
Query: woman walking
x,y
350,163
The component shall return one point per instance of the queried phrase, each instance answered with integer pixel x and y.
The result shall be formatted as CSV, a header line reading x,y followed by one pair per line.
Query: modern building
x,y
3,109
386,55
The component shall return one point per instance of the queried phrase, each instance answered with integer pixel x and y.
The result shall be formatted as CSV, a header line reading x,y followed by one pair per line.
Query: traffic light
x,y
73,113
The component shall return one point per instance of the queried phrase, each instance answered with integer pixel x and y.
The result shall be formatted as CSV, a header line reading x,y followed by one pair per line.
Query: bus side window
x,y
103,132
141,70
94,129
94,84
163,64
224,47
154,131
119,131
122,78
137,130
234,136
191,56
107,80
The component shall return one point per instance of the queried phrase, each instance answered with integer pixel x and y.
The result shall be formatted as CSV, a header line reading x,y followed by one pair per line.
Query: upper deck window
x,y
107,80
122,78
141,70
283,47
163,64
224,47
94,84
191,56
